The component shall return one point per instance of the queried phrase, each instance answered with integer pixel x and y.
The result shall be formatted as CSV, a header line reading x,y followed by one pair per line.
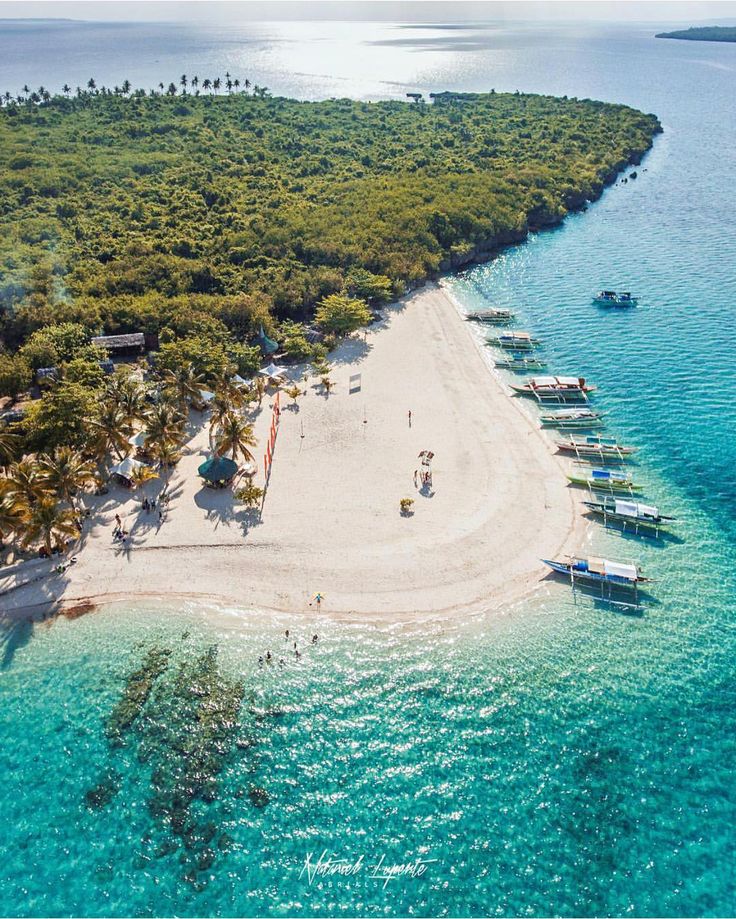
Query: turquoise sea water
x,y
571,759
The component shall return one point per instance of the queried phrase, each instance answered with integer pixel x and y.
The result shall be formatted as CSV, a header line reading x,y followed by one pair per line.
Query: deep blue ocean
x,y
571,758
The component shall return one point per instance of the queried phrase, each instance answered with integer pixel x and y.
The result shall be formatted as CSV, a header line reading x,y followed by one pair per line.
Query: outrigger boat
x,y
599,570
604,480
494,315
520,363
595,447
629,512
561,389
572,418
611,298
515,341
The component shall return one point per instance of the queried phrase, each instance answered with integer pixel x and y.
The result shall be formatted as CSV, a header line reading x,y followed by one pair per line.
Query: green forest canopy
x,y
134,212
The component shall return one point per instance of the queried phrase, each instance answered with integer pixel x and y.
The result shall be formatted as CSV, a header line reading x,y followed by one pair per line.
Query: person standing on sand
x,y
416,473
409,417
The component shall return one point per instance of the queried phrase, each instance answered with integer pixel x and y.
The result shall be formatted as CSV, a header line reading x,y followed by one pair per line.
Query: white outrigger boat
x,y
495,316
557,389
595,447
612,298
518,362
515,341
601,571
567,418
629,513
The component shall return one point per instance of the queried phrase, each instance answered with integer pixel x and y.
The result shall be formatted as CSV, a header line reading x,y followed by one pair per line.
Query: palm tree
x,y
164,423
195,81
183,80
66,89
161,86
8,444
110,430
167,452
49,523
25,483
12,511
229,84
206,83
258,388
66,473
129,396
236,84
91,85
142,474
185,382
216,83
246,83
294,392
235,436
126,87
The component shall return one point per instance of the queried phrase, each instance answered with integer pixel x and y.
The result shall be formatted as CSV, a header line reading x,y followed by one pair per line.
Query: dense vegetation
x,y
200,219
122,212
703,33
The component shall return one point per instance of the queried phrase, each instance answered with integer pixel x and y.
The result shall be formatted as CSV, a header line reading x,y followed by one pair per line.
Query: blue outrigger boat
x,y
612,298
598,571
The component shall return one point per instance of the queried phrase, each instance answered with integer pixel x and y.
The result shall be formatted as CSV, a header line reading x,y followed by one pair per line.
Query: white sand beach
x,y
330,521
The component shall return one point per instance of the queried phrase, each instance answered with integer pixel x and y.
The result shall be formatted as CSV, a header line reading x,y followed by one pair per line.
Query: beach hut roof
x,y
266,344
218,469
138,440
118,342
126,469
239,381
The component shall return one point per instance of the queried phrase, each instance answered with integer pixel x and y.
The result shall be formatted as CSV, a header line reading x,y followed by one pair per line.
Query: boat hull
x,y
602,485
565,568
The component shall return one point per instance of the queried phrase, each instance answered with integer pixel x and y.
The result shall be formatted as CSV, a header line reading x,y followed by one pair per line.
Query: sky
x,y
689,11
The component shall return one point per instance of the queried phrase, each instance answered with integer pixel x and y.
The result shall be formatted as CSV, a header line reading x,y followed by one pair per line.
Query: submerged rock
x,y
135,695
258,796
101,794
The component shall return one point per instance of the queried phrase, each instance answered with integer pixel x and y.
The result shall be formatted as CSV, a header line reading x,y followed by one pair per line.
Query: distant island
x,y
703,33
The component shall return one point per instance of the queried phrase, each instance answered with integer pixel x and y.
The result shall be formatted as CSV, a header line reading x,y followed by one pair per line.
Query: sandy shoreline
x,y
331,520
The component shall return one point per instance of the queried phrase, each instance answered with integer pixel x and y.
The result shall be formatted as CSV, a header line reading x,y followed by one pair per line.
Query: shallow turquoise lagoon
x,y
568,759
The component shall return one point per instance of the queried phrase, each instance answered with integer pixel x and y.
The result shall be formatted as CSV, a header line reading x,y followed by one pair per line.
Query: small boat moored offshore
x,y
521,363
629,512
572,418
604,480
595,447
494,315
599,570
515,341
612,298
560,389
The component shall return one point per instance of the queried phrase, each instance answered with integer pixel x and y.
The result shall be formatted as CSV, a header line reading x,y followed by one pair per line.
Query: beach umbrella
x,y
218,469
273,370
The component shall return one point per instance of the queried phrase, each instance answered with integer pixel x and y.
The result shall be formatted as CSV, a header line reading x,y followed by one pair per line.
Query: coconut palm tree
x,y
164,422
8,445
235,436
129,396
206,84
66,473
66,89
12,511
293,392
167,453
184,382
110,431
25,483
49,523
142,474
216,83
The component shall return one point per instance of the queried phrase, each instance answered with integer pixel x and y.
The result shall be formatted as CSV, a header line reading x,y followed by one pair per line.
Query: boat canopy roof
x,y
522,335
634,509
620,570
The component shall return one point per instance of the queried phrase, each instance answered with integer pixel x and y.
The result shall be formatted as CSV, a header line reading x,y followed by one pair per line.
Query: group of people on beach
x,y
270,658
149,504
